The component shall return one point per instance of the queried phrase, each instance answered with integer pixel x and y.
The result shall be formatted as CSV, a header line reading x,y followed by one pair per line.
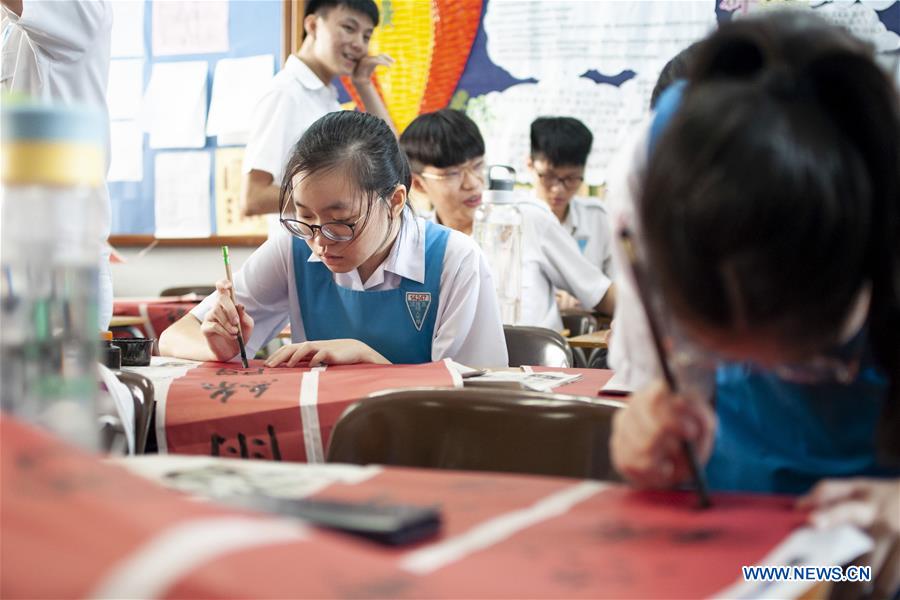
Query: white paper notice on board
x,y
174,111
606,36
603,38
190,27
237,86
126,151
127,37
125,90
182,195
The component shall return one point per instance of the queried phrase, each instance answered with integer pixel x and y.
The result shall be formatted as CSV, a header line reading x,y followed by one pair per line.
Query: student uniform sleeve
x,y
271,134
261,285
63,29
631,351
468,327
566,267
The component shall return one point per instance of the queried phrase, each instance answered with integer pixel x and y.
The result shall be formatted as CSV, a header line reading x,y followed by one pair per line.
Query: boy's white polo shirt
x,y
295,99
467,327
551,260
588,222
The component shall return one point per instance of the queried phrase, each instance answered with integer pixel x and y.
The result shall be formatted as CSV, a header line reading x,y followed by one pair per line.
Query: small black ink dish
x,y
136,352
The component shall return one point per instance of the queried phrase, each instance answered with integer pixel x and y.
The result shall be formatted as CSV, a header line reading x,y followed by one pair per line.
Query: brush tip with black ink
x,y
641,288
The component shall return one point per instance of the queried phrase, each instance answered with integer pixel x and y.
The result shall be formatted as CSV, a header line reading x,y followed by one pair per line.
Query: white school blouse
x,y
467,327
58,52
551,260
588,222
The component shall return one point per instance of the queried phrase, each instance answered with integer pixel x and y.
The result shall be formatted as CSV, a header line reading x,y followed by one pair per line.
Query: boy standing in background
x,y
336,44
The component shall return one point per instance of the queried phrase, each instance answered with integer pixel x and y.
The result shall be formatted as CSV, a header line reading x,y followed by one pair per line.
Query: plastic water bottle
x,y
498,230
53,164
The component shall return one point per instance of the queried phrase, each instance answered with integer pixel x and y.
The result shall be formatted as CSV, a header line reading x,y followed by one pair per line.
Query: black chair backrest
x,y
478,430
141,389
536,346
578,322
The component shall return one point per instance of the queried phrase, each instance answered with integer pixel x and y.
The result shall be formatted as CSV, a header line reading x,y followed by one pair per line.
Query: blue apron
x,y
398,324
783,437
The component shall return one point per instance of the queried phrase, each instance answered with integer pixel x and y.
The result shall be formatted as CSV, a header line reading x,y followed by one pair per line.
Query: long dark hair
x,y
773,196
353,144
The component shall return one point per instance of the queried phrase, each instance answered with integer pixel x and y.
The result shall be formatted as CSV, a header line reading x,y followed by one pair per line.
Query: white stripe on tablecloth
x,y
169,556
148,326
309,416
490,532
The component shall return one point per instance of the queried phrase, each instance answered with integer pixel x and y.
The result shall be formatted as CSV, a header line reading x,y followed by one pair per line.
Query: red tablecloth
x,y
285,414
75,527
160,313
281,414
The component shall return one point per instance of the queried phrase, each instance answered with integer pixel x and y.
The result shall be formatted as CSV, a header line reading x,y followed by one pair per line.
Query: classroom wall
x,y
165,267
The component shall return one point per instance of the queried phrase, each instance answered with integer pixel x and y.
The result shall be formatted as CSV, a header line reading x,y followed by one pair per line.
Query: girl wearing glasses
x,y
769,212
359,277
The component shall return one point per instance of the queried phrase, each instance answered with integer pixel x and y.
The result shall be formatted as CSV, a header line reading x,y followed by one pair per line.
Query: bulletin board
x,y
506,63
254,28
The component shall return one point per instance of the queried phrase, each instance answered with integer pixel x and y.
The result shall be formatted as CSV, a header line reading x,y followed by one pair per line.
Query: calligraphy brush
x,y
655,331
240,335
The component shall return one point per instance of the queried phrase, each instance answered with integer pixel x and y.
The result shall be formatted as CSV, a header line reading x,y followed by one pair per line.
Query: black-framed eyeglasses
x,y
568,182
336,232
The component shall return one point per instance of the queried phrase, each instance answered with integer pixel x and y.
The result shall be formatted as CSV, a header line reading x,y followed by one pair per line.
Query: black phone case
x,y
392,524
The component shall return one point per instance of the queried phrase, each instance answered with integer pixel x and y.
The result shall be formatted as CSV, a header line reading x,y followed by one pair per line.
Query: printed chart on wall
x,y
507,63
184,79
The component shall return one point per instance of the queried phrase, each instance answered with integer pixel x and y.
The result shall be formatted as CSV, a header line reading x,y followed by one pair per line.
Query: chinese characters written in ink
x,y
254,447
226,389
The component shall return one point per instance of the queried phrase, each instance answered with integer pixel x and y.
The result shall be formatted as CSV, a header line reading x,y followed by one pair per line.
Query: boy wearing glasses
x,y
559,151
446,156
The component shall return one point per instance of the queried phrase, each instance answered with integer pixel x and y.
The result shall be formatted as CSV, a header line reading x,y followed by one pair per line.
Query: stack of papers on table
x,y
520,380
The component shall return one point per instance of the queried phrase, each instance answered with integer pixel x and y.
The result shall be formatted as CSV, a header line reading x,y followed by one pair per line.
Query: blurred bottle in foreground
x,y
52,173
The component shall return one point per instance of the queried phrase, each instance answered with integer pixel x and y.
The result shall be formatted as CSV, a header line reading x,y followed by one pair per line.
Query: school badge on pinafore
x,y
417,303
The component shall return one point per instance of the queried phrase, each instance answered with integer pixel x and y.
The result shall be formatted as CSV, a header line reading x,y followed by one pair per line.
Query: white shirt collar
x,y
571,222
303,74
406,258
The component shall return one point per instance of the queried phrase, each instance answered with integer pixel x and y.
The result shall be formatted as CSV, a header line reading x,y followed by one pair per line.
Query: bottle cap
x,y
52,144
